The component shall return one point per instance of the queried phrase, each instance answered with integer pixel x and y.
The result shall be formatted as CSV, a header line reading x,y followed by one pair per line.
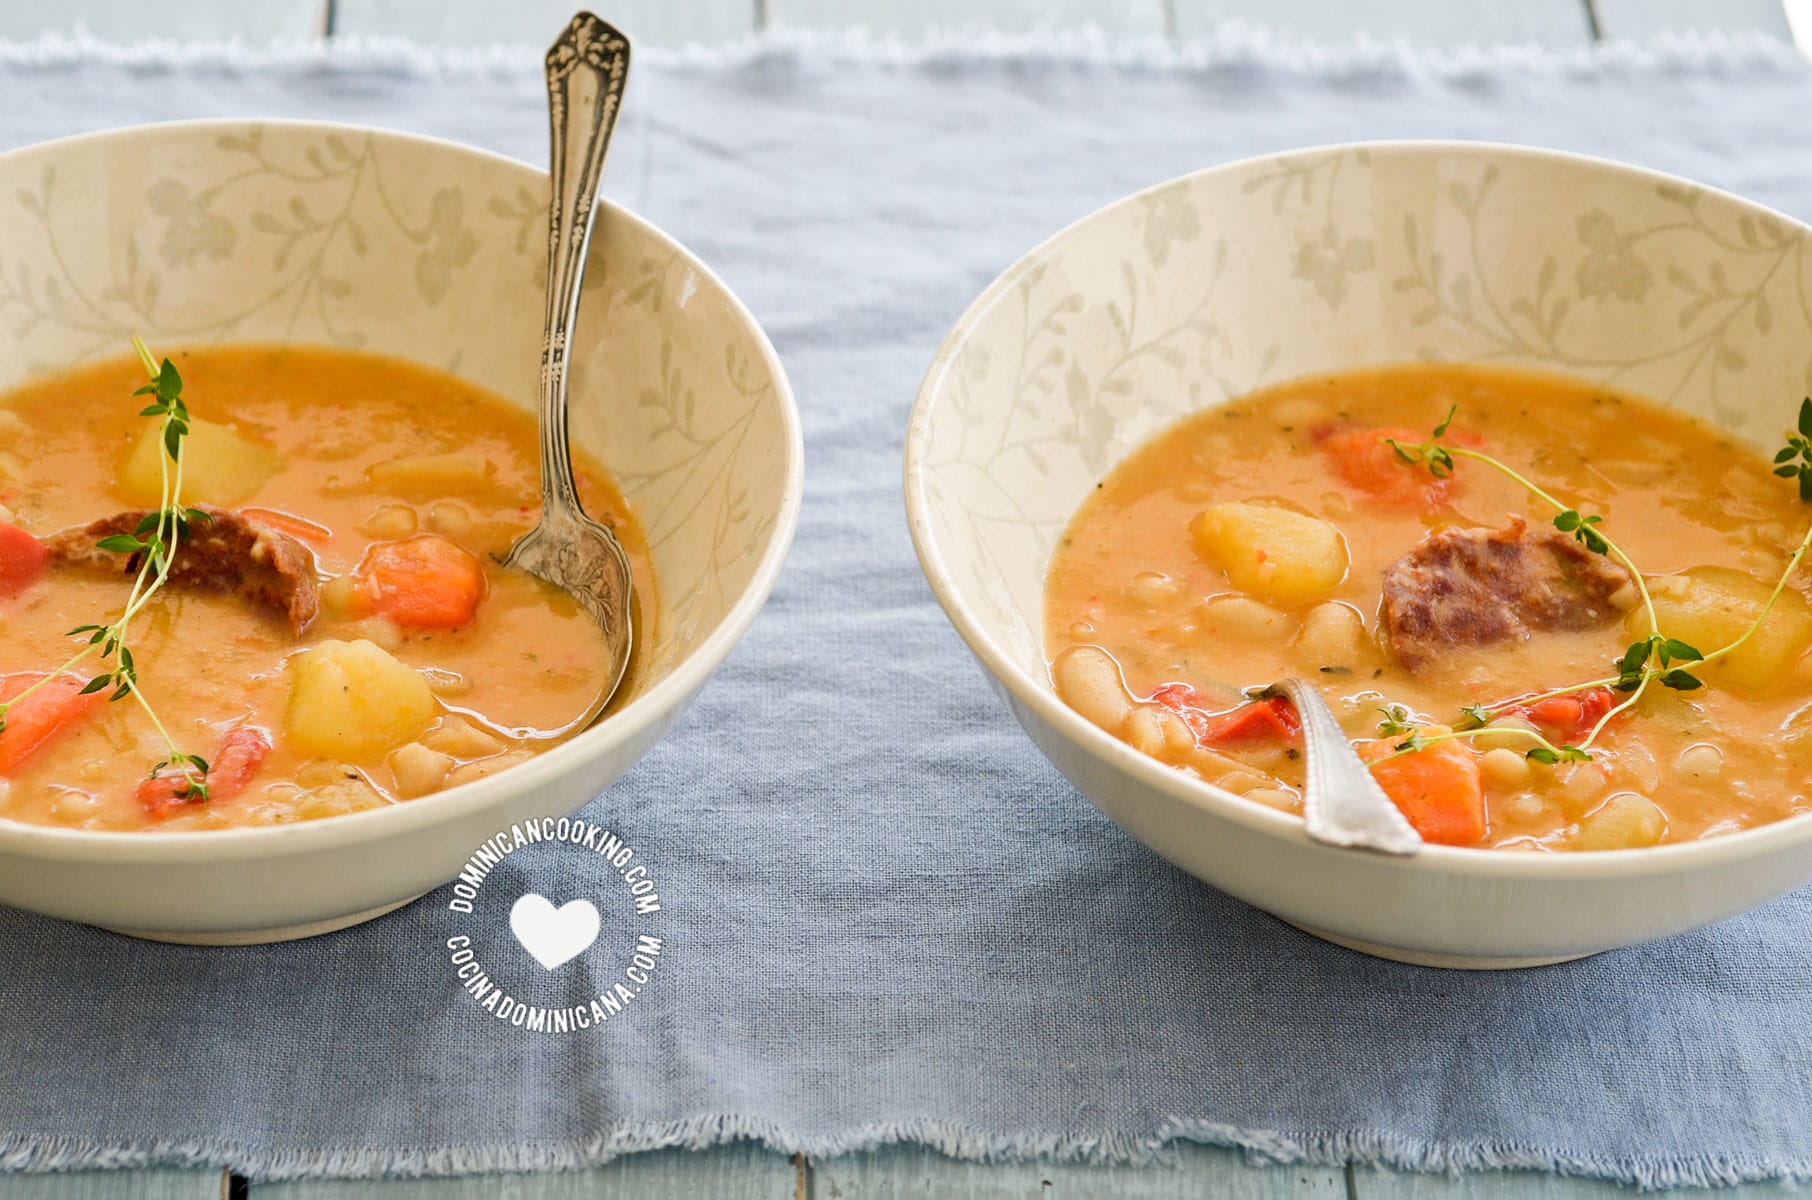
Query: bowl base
x,y
260,937
1432,958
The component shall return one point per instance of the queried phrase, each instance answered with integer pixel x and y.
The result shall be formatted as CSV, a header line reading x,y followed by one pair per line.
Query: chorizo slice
x,y
1472,587
231,553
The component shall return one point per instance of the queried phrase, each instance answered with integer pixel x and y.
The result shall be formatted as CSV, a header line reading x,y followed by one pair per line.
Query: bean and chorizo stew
x,y
251,585
1550,616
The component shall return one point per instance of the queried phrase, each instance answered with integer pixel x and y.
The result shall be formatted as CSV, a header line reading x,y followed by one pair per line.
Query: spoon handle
x,y
1342,804
586,69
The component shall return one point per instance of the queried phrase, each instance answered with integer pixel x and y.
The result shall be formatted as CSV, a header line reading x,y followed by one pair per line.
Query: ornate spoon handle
x,y
586,69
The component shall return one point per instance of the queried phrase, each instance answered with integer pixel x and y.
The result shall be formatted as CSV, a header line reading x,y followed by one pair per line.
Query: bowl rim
x,y
644,712
1040,697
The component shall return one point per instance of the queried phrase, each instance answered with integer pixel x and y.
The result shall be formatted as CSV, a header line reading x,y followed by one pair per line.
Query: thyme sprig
x,y
1655,658
154,542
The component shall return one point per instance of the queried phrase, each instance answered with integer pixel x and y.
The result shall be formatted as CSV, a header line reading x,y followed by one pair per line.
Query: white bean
x,y
1333,635
337,595
1701,760
1088,680
1247,619
458,737
1626,820
1504,768
1512,738
1281,798
390,521
1155,730
450,519
418,770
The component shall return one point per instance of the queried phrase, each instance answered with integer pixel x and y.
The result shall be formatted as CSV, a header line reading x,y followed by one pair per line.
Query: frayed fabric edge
x,y
1234,44
1370,1148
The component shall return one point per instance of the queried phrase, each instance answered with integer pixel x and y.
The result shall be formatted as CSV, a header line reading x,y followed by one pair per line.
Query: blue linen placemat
x,y
884,916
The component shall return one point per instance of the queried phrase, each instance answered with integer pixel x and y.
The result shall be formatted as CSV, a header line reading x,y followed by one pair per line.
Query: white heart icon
x,y
554,936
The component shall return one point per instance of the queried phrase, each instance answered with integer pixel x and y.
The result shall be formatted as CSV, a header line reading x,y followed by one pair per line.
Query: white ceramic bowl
x,y
431,251
1201,289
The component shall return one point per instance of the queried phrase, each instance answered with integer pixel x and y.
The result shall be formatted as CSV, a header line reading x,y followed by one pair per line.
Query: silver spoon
x,y
1341,803
586,69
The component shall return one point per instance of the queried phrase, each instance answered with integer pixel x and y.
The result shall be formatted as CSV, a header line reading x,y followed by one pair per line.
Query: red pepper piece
x,y
240,754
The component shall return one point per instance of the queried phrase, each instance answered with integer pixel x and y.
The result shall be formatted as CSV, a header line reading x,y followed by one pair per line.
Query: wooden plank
x,y
114,1185
1370,1184
1645,18
737,1172
181,20
915,1173
536,22
1118,18
1419,22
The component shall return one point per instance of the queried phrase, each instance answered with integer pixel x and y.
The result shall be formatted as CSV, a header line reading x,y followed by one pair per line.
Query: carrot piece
x,y
1362,459
1272,719
300,528
424,581
34,721
1438,788
241,752
22,558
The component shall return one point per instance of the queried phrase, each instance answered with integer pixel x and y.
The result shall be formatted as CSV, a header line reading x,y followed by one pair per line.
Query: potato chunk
x,y
354,702
220,466
1286,557
1714,607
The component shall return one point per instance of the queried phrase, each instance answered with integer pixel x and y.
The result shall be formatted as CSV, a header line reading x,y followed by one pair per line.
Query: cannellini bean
x,y
1247,619
1701,760
1580,784
445,682
1154,589
1626,820
1504,768
418,770
322,772
337,595
1526,807
1155,730
458,737
450,519
1241,780
379,631
1282,798
390,521
341,796
1332,635
487,766
1088,680
1509,739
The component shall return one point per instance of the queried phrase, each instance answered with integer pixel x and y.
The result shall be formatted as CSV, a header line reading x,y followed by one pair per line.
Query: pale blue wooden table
x,y
745,1172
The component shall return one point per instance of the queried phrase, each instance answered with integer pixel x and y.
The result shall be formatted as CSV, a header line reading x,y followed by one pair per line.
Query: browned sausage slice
x,y
1472,587
231,553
